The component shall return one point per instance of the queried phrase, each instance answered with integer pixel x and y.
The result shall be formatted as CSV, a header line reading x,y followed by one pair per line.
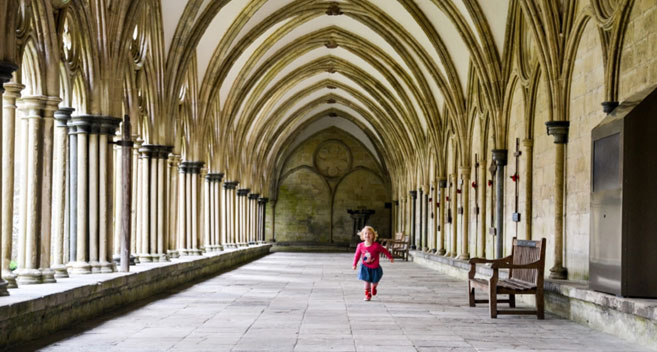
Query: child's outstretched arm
x,y
356,257
387,253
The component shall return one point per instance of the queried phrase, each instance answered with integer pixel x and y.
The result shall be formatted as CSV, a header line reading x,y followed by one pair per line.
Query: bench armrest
x,y
474,261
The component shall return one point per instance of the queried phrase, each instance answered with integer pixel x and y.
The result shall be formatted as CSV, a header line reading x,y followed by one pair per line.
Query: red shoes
x,y
373,290
368,295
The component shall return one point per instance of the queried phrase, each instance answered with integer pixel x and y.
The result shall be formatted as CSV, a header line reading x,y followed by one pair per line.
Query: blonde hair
x,y
362,232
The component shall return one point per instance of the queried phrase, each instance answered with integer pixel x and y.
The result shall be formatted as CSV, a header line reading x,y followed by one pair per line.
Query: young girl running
x,y
370,270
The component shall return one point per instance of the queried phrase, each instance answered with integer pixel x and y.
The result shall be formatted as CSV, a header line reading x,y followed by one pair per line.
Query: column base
x,y
95,267
9,278
558,273
195,251
48,276
464,256
448,254
220,248
60,271
107,267
441,251
433,250
173,253
161,258
28,276
3,288
145,258
79,268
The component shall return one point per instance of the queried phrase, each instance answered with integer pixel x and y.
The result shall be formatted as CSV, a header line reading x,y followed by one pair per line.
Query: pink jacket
x,y
370,254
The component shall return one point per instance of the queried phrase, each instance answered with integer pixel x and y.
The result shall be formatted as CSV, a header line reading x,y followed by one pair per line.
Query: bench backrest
x,y
525,252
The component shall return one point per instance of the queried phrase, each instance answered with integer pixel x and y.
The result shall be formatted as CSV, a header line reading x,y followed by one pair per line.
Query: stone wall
x,y
324,176
31,315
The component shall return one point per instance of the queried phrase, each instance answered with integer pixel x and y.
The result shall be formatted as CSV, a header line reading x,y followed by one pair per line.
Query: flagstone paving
x,y
313,302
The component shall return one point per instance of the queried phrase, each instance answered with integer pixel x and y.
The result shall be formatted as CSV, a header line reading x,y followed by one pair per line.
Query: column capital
x,y
243,192
442,183
254,196
413,194
108,124
558,129
6,70
609,106
500,156
263,200
528,143
214,177
191,167
13,89
63,115
230,184
79,124
465,171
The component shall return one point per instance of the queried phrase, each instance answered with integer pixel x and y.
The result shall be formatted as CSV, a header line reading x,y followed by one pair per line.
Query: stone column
x,y
144,204
136,204
174,212
230,212
433,199
442,184
218,212
263,202
465,203
481,247
418,224
62,116
12,92
413,195
117,200
453,243
207,209
162,197
500,159
253,223
29,247
182,210
194,169
528,145
425,246
225,228
94,199
241,216
108,127
558,129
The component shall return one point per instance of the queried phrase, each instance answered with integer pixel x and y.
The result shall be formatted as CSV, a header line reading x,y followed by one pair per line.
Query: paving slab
x,y
313,302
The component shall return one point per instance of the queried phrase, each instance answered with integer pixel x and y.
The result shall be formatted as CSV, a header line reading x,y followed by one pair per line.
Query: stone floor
x,y
313,302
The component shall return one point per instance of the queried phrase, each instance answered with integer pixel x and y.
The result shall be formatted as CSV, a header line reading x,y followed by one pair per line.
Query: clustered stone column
x,y
262,202
465,212
213,212
34,245
413,198
453,211
154,179
11,93
242,240
528,145
558,129
172,228
500,159
189,206
62,117
228,216
253,217
135,206
442,206
481,247
93,211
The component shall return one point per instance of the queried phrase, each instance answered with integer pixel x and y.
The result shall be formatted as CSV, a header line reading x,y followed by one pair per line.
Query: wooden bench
x,y
526,265
397,246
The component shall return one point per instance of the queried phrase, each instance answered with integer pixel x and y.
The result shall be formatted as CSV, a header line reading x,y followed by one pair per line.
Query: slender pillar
x,y
126,199
253,205
263,201
218,213
28,271
230,212
94,199
108,127
174,212
500,159
144,204
241,216
62,116
412,222
225,230
433,199
442,184
419,237
453,243
135,206
465,203
12,92
558,129
194,170
207,209
118,199
182,210
425,246
481,247
528,145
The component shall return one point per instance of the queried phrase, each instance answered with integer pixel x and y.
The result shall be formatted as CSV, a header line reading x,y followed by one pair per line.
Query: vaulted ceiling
x,y
271,72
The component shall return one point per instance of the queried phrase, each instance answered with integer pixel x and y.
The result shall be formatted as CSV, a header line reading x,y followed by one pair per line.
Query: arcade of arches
x,y
462,123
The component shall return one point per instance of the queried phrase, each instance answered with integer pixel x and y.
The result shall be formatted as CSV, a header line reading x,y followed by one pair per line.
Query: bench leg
x,y
471,295
492,301
540,306
512,301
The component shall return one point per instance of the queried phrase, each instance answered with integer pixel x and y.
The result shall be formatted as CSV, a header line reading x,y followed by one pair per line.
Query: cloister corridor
x,y
313,302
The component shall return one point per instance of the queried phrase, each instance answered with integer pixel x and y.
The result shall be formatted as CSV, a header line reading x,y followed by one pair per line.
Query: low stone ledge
x,y
34,311
633,319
